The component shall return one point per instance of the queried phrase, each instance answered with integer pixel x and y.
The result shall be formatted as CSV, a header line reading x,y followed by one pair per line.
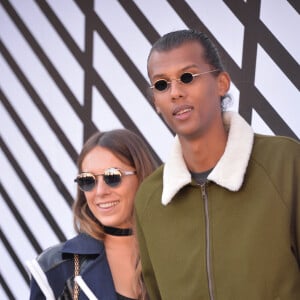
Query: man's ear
x,y
223,83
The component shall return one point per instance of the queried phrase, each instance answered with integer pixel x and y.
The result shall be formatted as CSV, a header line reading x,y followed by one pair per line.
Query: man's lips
x,y
179,110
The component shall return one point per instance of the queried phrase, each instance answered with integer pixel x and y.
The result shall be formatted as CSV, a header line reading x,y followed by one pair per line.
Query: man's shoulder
x,y
274,151
278,139
276,144
154,179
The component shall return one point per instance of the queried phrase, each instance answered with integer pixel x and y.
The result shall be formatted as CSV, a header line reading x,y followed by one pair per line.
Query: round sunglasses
x,y
162,85
112,177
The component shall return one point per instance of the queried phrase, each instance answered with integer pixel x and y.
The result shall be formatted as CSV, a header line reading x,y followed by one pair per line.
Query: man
x,y
221,218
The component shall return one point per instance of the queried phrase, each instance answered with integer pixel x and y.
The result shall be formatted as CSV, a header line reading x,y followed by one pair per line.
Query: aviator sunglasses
x,y
162,85
112,177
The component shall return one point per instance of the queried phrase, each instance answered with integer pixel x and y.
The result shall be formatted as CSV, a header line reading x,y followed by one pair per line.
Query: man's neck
x,y
203,153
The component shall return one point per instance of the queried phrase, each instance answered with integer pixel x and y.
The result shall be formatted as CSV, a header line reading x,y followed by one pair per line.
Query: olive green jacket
x,y
235,238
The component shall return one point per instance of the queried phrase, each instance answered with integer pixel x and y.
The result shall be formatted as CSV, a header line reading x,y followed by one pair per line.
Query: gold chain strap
x,y
76,273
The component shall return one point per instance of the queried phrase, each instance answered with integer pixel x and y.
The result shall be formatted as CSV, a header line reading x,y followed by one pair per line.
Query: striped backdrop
x,y
69,67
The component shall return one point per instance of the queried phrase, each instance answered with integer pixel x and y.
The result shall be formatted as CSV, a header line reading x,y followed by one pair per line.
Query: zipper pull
x,y
203,192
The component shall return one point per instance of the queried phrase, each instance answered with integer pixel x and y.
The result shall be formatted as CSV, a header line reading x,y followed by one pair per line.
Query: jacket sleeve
x,y
296,207
49,274
147,269
35,291
289,184
39,281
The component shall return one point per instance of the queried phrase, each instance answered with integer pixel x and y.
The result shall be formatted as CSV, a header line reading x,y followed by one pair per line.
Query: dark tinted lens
x,y
161,85
112,179
86,182
186,77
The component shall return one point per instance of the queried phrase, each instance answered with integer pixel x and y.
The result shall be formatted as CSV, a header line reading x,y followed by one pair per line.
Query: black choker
x,y
117,231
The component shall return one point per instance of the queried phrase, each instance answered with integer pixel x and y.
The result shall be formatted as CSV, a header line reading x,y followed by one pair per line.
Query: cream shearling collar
x,y
230,169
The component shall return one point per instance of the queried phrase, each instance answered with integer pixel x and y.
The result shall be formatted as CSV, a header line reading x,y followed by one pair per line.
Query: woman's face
x,y
112,206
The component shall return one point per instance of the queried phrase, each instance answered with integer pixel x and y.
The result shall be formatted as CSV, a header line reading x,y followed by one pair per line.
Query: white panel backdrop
x,y
68,68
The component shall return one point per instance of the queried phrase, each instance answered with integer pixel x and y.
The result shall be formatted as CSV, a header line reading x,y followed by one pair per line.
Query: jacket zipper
x,y
207,237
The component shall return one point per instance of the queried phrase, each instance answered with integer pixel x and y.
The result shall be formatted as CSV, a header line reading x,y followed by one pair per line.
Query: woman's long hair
x,y
129,148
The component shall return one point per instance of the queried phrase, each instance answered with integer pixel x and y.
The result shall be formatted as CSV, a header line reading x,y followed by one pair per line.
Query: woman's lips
x,y
106,205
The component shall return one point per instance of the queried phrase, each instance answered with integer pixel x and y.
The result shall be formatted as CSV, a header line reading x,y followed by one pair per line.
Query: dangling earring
x,y
158,110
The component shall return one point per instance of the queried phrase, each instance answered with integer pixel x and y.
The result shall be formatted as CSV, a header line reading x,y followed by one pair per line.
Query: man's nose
x,y
176,89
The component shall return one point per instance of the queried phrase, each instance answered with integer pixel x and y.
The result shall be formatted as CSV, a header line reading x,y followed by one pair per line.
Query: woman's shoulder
x,y
52,257
81,244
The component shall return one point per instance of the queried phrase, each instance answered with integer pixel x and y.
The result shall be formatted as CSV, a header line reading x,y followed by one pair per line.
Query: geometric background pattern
x,y
69,68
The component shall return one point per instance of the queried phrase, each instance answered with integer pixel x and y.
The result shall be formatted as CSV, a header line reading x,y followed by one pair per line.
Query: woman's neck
x,y
122,255
122,243
117,231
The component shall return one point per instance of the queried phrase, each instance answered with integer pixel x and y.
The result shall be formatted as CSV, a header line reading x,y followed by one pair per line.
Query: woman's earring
x,y
157,110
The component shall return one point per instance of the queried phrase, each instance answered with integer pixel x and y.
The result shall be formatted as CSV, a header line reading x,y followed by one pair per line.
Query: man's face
x,y
189,109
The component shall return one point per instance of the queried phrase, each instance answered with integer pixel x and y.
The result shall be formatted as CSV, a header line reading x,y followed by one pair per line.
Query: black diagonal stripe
x,y
237,75
58,26
34,195
61,84
140,20
149,32
100,84
113,103
267,40
88,62
125,61
247,74
121,55
38,152
279,54
118,52
6,288
248,14
119,111
191,20
270,116
295,4
39,103
14,257
20,220
85,59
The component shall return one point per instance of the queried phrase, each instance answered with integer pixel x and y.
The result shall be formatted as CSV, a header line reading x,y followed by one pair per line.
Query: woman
x,y
104,255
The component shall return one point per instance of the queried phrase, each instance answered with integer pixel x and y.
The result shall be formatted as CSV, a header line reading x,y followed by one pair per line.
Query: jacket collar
x,y
83,244
230,169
